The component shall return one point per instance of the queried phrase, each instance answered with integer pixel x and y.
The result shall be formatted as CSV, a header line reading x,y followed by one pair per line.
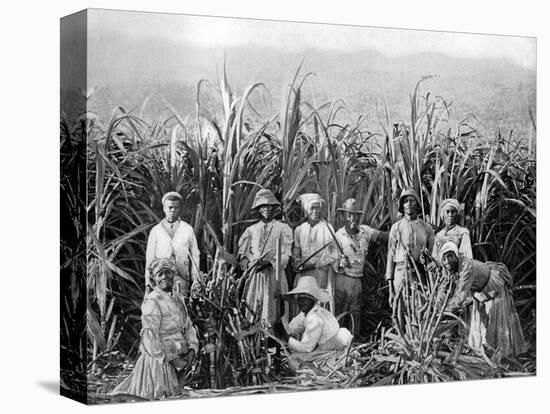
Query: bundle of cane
x,y
421,308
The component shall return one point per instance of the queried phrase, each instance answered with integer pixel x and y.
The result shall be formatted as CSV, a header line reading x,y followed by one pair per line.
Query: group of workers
x,y
328,266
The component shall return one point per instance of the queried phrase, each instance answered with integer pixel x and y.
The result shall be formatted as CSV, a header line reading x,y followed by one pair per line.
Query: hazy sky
x,y
294,37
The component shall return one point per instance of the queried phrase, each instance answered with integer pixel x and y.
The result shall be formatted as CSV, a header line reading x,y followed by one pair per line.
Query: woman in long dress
x,y
168,339
494,320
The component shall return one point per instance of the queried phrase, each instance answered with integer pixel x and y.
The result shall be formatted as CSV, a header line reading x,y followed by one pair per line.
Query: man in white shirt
x,y
174,238
355,240
318,328
322,338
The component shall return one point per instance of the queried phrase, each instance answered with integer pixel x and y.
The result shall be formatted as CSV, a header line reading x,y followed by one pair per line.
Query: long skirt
x,y
260,295
495,322
151,379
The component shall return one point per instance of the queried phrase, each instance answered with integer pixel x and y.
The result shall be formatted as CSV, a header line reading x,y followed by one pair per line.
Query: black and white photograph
x,y
257,206
274,207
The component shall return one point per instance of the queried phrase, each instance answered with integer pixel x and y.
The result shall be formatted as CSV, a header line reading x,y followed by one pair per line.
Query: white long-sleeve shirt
x,y
308,239
319,329
175,240
459,236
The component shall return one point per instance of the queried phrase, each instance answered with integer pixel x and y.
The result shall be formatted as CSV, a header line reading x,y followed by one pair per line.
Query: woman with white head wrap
x,y
169,343
494,320
314,249
449,212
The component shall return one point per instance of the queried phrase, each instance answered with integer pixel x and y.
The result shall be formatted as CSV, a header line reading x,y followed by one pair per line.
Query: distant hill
x,y
125,71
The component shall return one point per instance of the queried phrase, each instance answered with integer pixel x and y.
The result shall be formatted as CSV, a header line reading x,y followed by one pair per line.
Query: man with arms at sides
x,y
174,238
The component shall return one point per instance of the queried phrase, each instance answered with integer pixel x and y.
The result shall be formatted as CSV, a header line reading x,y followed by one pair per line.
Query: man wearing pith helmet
x,y
257,255
355,240
407,240
174,238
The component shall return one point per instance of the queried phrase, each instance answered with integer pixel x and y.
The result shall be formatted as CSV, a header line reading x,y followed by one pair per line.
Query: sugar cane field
x,y
217,157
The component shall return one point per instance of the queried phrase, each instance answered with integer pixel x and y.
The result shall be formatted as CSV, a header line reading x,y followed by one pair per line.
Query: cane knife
x,y
334,238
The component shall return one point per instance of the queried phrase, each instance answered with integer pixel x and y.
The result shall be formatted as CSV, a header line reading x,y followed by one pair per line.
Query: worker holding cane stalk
x,y
408,238
258,258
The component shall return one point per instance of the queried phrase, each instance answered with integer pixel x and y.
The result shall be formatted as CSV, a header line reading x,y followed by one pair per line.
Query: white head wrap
x,y
448,246
308,199
449,202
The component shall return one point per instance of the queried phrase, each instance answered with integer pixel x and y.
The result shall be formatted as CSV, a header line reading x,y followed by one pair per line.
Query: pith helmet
x,y
265,197
407,192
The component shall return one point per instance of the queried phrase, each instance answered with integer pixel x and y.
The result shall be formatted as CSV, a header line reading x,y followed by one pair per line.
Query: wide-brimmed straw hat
x,y
162,264
407,192
351,206
263,198
448,246
307,285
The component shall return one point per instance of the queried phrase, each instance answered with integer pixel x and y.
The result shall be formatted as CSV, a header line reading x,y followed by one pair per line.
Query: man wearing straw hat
x,y
315,251
174,238
354,239
257,255
408,239
322,338
449,212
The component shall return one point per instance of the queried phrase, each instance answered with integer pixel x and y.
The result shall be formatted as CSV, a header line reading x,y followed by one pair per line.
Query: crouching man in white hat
x,y
322,339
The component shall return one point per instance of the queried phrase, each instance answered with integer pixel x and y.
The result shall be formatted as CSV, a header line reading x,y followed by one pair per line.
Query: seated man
x,y
322,339
168,339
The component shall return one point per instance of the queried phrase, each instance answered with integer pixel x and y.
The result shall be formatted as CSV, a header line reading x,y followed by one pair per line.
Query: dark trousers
x,y
349,297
